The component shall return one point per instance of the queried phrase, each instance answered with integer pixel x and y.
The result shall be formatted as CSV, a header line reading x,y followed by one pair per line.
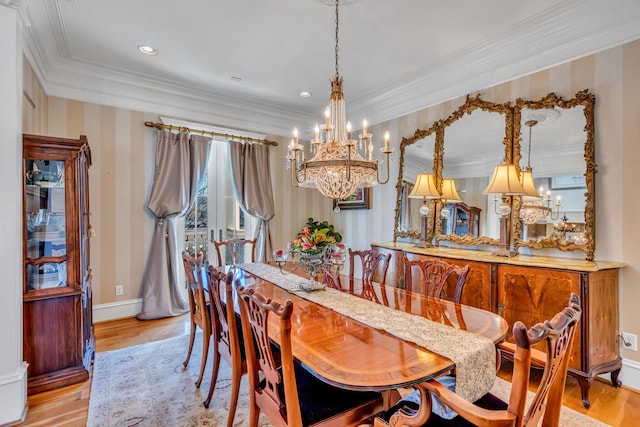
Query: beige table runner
x,y
473,354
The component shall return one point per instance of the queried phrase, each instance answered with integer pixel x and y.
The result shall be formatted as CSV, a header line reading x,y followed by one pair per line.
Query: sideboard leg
x,y
585,385
614,378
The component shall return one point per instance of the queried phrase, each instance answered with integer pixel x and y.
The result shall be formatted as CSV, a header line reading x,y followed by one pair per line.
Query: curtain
x,y
181,162
251,177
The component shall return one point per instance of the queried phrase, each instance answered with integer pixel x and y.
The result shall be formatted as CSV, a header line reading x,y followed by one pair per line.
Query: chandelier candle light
x,y
340,164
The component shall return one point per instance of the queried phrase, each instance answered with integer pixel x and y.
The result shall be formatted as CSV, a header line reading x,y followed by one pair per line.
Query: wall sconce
x,y
504,181
425,188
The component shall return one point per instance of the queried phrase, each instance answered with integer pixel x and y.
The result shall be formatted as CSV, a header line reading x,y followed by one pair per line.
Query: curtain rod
x,y
209,133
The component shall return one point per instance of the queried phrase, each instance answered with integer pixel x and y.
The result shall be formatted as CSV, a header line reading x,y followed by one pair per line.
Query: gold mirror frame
x,y
470,105
587,101
404,143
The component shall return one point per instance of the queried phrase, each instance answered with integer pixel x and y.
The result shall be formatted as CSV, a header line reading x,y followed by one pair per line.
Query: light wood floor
x,y
68,406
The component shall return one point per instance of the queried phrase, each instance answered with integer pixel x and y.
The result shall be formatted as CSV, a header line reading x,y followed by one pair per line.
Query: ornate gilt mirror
x,y
477,137
556,138
416,157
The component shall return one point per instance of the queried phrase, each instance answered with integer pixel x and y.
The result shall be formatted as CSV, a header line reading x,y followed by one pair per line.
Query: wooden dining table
x,y
352,355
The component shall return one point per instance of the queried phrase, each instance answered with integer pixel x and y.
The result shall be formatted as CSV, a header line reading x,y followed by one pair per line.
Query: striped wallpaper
x,y
123,151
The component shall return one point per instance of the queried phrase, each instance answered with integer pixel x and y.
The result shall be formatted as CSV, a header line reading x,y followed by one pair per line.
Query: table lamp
x,y
425,188
504,181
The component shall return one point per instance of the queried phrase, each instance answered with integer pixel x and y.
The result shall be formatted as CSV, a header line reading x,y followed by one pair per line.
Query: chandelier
x,y
534,207
340,164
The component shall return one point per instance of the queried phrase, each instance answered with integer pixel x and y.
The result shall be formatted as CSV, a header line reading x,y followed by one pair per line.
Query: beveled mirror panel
x,y
477,137
556,137
416,157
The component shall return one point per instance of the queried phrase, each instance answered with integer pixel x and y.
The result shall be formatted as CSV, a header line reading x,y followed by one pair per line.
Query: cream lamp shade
x,y
425,187
505,181
526,179
449,192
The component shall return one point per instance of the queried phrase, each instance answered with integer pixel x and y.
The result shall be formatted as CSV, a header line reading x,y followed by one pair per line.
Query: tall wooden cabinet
x,y
58,338
533,289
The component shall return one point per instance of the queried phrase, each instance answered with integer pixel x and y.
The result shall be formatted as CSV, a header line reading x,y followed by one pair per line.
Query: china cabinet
x,y
532,289
462,220
58,338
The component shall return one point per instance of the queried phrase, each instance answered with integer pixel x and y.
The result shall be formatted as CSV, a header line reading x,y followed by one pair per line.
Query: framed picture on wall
x,y
361,199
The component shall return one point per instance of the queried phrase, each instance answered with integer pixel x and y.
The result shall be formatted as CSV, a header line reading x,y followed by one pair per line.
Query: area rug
x,y
147,385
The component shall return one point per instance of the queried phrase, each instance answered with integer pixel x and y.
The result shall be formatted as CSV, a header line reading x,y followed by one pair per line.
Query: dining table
x,y
362,335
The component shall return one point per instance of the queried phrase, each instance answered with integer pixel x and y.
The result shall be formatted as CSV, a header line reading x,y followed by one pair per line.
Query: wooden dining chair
x,y
557,333
234,248
286,392
372,262
434,276
199,310
228,343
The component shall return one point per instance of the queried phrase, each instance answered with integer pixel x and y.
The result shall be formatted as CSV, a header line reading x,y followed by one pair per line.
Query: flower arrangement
x,y
315,237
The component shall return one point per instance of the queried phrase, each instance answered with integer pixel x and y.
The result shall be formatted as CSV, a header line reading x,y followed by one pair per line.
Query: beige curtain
x,y
181,162
251,177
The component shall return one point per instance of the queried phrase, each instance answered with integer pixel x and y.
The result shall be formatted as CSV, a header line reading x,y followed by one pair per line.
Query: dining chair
x,y
286,392
489,410
371,262
228,342
434,276
234,248
199,311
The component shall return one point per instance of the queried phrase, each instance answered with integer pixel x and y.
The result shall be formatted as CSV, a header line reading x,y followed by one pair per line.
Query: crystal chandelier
x,y
534,207
340,164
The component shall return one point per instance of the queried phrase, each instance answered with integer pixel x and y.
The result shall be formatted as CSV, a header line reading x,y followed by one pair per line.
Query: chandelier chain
x,y
337,27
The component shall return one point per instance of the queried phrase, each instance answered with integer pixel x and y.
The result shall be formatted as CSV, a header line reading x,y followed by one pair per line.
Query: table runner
x,y
473,354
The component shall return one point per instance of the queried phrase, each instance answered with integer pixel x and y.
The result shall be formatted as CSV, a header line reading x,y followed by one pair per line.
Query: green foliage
x,y
314,225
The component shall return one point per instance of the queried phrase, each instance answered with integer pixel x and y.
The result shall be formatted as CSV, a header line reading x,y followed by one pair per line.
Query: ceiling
x,y
240,64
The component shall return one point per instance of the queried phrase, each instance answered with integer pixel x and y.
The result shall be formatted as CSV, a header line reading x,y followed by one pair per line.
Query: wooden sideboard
x,y
533,289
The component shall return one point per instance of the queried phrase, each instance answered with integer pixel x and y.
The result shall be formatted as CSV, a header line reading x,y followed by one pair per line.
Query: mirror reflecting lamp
x,y
504,181
533,208
425,188
449,195
340,164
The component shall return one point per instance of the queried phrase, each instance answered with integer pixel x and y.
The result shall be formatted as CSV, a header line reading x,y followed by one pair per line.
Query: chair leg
x,y
192,337
214,375
205,354
236,375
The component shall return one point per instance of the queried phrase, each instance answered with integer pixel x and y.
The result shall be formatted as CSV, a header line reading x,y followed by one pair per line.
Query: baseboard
x,y
630,374
13,396
116,310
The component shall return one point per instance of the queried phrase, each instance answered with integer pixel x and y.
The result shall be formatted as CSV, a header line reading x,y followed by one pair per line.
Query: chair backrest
x,y
261,363
435,274
195,290
558,334
226,324
371,262
234,248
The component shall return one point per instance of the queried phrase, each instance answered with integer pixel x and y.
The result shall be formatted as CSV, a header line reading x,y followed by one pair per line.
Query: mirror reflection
x,y
555,138
416,156
475,140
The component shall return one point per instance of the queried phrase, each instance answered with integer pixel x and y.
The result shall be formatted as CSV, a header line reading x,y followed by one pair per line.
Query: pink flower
x,y
279,253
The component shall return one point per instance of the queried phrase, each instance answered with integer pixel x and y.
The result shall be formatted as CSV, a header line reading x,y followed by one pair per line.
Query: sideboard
x,y
533,289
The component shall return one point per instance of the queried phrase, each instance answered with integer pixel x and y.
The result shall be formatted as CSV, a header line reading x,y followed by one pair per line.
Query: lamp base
x,y
422,244
506,252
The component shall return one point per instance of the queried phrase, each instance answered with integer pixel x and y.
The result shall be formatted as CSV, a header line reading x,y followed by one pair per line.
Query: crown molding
x,y
567,31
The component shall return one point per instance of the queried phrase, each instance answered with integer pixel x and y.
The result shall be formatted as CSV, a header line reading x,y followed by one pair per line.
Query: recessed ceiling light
x,y
147,50
305,94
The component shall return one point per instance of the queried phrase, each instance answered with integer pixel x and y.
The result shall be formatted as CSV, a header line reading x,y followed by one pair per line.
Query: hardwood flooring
x,y
68,406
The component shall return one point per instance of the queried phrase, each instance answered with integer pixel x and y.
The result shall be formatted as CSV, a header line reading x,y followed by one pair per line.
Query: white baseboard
x,y
630,374
13,396
116,310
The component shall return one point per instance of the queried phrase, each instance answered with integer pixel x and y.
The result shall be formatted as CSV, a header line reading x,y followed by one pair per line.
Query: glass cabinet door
x,y
46,250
